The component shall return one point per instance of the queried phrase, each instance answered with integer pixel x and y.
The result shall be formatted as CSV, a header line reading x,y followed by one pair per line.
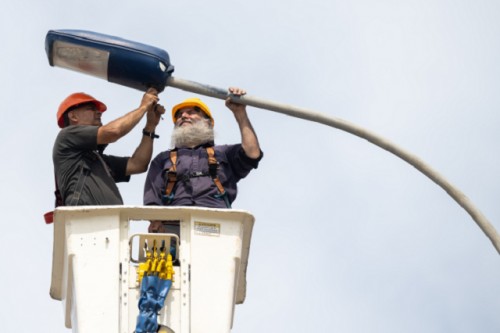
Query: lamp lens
x,y
82,59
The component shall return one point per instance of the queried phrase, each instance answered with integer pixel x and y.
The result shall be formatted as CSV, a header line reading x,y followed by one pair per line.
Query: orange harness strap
x,y
212,169
171,175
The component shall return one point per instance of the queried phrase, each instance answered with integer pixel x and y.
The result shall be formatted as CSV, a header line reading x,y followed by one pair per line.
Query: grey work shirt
x,y
194,186
76,156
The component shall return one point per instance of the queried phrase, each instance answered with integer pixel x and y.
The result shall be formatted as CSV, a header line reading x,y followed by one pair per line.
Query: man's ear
x,y
73,118
209,122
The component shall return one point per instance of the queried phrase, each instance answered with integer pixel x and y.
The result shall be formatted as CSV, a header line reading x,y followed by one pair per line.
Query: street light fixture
x,y
142,66
114,59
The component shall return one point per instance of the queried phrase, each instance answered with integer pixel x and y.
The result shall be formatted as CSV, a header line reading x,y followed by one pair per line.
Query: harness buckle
x,y
212,169
167,198
171,176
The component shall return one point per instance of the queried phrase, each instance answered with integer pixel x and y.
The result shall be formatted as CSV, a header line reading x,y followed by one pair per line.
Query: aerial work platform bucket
x,y
95,264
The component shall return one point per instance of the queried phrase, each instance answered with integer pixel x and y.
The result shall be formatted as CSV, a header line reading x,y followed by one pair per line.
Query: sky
x,y
348,237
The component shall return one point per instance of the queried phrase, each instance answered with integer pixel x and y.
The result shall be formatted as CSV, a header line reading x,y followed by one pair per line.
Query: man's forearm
x,y
141,157
139,161
249,140
118,128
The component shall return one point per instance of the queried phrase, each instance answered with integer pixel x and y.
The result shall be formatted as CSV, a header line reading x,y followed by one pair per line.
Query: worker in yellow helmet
x,y
86,176
195,171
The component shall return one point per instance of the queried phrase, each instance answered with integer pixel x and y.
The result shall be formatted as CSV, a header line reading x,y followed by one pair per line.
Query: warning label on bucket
x,y
207,229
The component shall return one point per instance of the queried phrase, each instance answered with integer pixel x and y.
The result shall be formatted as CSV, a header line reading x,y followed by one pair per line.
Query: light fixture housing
x,y
114,59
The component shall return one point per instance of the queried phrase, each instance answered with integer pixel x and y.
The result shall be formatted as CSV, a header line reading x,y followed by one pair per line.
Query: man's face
x,y
191,129
188,116
87,114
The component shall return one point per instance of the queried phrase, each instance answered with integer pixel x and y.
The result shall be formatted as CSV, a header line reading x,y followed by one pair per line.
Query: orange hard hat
x,y
74,100
192,102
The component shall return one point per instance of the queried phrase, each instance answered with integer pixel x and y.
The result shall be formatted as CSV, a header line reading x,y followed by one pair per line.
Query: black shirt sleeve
x,y
118,166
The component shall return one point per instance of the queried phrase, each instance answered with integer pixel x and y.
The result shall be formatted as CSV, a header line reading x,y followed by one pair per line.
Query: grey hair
x,y
200,132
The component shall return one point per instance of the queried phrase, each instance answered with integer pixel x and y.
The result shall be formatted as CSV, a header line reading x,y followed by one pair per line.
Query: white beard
x,y
200,132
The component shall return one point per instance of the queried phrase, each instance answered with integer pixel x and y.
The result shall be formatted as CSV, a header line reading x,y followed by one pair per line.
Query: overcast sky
x,y
348,238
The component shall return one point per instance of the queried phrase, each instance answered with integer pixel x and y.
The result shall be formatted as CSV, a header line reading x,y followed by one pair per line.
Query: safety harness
x,y
171,176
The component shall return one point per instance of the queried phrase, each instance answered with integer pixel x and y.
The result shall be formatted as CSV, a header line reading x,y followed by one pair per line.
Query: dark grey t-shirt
x,y
76,157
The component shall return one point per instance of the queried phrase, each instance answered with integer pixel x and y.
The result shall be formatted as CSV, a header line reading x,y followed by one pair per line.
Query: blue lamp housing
x,y
114,59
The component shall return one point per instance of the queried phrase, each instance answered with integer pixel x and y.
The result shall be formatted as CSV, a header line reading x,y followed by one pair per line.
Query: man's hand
x,y
155,227
236,107
154,116
154,110
149,99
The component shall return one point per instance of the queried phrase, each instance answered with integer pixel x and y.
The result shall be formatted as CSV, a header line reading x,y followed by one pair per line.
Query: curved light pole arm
x,y
383,143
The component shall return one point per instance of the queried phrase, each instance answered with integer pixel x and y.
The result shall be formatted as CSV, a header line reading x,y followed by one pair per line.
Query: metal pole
x,y
343,125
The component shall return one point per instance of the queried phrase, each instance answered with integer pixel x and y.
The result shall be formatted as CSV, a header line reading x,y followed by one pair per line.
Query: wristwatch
x,y
152,135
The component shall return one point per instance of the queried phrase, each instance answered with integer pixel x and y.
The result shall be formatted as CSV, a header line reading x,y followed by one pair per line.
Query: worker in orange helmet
x,y
84,174
196,172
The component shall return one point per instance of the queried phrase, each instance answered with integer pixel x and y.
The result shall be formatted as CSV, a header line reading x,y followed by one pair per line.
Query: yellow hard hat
x,y
192,102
